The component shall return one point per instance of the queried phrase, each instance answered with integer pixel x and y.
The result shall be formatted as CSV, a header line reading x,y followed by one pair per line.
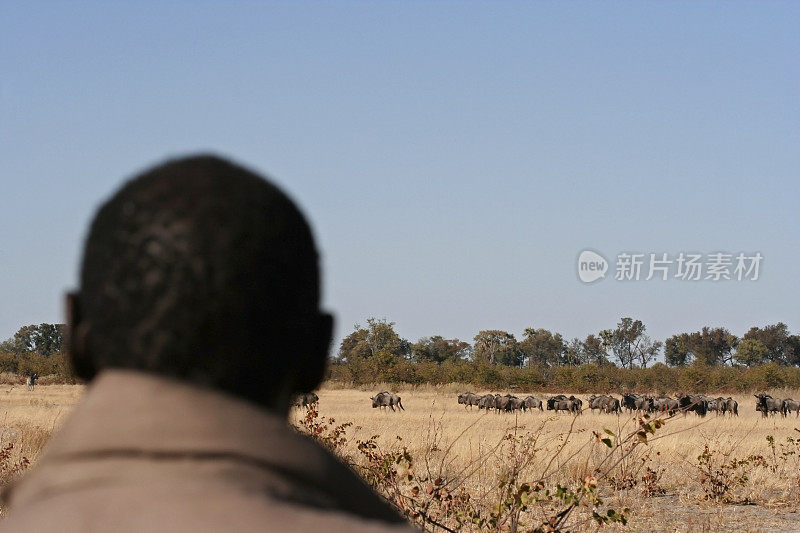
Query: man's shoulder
x,y
139,444
129,509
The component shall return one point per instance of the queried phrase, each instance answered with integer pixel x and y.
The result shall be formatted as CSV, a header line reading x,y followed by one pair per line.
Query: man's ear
x,y
77,341
312,373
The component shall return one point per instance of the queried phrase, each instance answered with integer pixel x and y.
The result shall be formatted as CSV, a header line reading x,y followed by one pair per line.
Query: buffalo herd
x,y
499,402
683,403
768,405
509,402
603,403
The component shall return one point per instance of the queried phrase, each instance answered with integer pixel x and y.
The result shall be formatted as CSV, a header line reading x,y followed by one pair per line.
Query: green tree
x,y
438,349
573,353
677,350
540,347
44,339
378,337
48,339
497,347
709,346
794,346
630,343
354,346
594,350
751,352
713,346
775,338
21,342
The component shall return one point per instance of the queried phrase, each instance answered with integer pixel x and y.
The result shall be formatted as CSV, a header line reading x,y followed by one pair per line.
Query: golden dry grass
x,y
462,442
465,437
28,418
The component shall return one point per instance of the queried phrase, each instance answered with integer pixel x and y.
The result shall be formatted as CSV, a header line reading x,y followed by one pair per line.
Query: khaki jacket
x,y
145,453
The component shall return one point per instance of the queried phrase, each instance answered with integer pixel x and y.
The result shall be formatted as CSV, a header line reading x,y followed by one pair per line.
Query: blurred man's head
x,y
201,270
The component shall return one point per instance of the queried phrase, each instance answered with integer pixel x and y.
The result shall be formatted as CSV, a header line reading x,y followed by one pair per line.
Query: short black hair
x,y
202,270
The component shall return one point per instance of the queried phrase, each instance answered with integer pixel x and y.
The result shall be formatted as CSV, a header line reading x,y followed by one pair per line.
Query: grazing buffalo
x,y
386,399
769,405
613,405
559,403
792,405
732,406
564,403
468,399
532,402
629,401
516,404
694,402
724,406
595,402
666,405
305,400
502,403
605,404
486,402
715,404
637,402
578,404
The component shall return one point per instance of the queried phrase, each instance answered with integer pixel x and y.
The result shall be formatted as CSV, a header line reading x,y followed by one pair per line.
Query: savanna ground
x,y
470,470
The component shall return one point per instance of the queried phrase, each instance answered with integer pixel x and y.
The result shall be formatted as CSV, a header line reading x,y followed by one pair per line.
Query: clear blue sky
x,y
454,158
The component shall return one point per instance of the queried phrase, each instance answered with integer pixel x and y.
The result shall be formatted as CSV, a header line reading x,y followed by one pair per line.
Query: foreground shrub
x,y
528,490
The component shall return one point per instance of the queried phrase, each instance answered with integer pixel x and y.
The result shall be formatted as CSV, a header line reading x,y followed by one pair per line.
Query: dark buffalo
x,y
500,403
516,404
792,405
564,403
595,402
717,405
769,405
577,404
486,402
503,403
605,404
532,402
693,402
559,403
305,400
732,406
387,399
613,405
722,406
666,405
468,399
629,401
642,403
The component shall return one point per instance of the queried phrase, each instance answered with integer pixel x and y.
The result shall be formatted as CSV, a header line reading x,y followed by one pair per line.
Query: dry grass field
x,y
663,483
28,418
741,483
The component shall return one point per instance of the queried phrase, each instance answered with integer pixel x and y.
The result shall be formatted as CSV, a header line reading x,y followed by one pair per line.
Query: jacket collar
x,y
126,409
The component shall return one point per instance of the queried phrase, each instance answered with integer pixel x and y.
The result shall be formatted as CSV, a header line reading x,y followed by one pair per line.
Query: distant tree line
x,y
376,351
710,359
44,339
36,348
627,346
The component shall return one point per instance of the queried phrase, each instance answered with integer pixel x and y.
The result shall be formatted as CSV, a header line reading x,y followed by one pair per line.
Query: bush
x,y
21,365
588,378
